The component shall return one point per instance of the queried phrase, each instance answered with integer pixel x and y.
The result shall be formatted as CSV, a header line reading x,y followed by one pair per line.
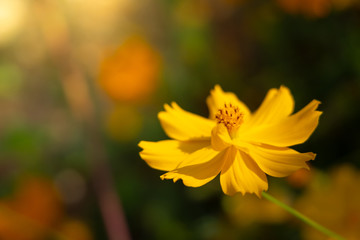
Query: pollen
x,y
230,116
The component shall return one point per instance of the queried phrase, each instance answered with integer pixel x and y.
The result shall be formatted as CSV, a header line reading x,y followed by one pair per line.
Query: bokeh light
x,y
132,72
339,189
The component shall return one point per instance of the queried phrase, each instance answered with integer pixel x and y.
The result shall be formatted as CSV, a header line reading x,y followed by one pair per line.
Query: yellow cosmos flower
x,y
240,145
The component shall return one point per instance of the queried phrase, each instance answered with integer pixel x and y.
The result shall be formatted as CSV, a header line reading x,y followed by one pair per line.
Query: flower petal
x,y
279,162
241,174
290,131
199,168
220,138
218,98
166,155
277,105
182,125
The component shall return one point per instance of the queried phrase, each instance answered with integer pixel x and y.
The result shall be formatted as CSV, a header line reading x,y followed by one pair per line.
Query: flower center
x,y
230,116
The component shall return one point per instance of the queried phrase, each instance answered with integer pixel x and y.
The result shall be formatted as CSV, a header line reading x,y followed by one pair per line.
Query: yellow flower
x,y
240,145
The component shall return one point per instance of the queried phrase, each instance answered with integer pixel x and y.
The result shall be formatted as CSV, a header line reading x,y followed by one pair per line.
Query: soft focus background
x,y
82,81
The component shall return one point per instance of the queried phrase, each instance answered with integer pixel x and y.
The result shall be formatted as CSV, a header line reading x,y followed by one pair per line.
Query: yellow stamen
x,y
231,117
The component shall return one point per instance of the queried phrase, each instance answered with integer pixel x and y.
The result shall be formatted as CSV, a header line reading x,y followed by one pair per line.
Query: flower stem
x,y
302,217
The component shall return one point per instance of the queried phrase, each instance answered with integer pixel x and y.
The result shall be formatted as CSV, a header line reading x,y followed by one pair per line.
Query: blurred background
x,y
82,81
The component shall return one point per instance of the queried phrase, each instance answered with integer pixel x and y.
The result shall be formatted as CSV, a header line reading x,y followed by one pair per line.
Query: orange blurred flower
x,y
34,208
35,212
314,8
343,4
300,178
334,201
76,230
310,8
131,73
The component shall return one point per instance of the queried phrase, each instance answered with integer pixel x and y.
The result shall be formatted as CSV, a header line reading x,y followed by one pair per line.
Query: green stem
x,y
302,217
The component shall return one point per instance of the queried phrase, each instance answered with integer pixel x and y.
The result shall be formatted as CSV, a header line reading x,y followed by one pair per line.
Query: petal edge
x,y
182,125
196,174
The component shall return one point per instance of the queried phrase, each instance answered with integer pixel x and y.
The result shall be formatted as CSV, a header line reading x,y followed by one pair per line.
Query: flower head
x,y
242,146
